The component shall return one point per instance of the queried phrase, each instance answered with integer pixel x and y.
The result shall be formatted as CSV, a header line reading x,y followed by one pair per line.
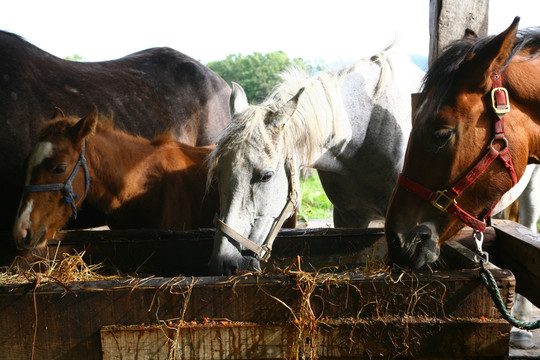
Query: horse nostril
x,y
230,270
393,240
423,234
254,264
25,236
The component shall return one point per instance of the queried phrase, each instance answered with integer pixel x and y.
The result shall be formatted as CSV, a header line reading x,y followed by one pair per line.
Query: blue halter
x,y
66,187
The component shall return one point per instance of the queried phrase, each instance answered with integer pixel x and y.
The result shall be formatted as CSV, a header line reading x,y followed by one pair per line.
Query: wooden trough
x,y
359,309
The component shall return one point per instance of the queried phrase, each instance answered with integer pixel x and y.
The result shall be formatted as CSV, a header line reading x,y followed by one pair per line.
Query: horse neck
x,y
523,82
111,157
320,121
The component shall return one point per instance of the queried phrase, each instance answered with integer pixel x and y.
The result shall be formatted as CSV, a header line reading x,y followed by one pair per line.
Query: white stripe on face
x,y
22,223
42,151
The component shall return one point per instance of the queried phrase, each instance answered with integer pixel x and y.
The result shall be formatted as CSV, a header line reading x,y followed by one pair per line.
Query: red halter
x,y
444,200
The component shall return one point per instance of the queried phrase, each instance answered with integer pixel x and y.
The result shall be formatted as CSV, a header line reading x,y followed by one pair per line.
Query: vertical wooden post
x,y
448,20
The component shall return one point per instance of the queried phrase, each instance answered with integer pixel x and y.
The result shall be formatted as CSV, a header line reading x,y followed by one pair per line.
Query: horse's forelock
x,y
235,136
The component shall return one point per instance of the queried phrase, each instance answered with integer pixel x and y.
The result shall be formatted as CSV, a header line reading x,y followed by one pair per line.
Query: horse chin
x,y
415,249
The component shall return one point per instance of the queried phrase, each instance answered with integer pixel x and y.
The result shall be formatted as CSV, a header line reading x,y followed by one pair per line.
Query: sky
x,y
209,30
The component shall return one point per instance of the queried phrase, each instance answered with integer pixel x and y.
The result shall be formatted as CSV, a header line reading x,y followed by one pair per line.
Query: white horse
x,y
351,125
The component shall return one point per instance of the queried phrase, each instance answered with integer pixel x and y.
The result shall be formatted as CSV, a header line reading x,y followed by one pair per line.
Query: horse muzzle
x,y
415,248
228,258
230,265
26,239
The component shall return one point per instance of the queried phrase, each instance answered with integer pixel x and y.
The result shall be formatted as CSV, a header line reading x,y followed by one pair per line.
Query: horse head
x,y
254,173
56,180
467,146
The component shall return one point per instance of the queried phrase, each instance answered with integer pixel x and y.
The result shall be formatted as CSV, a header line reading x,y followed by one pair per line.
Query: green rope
x,y
493,289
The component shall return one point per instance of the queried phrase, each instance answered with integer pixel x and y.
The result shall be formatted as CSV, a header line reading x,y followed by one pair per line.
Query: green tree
x,y
74,57
257,73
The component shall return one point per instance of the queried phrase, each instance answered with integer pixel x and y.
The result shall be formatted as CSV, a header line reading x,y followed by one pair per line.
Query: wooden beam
x,y
419,338
520,253
448,20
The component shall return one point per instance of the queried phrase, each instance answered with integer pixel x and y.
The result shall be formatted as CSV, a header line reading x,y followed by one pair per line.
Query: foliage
x,y
315,204
75,57
257,73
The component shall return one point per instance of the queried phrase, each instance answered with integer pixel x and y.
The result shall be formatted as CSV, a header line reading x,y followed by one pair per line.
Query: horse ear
x,y
87,125
58,114
493,56
280,117
238,100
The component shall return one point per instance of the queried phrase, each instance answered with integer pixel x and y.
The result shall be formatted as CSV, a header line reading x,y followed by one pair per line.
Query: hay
x,y
71,267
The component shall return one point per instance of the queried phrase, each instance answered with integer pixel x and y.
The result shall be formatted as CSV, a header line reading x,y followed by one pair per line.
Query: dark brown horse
x,y
477,128
146,93
138,183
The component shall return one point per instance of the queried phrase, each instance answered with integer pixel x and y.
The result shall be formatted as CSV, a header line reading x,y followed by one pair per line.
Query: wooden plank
x,y
170,253
521,249
418,338
448,20
69,321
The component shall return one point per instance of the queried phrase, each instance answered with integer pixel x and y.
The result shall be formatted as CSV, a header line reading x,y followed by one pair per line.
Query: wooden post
x,y
448,20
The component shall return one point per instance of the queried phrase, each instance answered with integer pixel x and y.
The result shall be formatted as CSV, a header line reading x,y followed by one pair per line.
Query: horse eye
x,y
441,136
267,176
59,169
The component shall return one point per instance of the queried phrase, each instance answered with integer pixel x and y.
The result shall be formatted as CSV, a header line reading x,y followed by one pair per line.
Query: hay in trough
x,y
71,267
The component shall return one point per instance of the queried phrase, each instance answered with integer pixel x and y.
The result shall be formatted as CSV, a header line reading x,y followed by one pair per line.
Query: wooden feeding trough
x,y
326,294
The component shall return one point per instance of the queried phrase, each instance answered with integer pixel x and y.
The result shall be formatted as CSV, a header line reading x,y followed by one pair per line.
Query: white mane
x,y
320,116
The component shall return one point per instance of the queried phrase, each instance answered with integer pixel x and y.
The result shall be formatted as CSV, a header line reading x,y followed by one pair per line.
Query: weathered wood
x,y
348,339
69,322
448,20
521,249
170,253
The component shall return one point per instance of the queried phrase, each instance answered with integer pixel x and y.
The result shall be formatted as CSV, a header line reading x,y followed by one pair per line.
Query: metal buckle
x,y
267,253
443,207
501,109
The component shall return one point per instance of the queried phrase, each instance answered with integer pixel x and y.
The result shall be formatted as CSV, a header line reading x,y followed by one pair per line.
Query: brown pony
x,y
475,131
147,93
138,183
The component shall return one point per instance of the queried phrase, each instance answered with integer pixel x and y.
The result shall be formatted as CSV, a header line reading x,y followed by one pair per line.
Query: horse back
x,y
146,93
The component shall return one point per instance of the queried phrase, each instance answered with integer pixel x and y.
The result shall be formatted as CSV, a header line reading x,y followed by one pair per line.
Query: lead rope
x,y
493,289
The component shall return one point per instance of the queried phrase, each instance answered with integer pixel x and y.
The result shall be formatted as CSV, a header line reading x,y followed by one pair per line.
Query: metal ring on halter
x,y
503,139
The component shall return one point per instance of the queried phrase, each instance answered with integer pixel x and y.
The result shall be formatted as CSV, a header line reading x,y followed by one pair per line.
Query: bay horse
x,y
351,125
476,130
147,93
136,182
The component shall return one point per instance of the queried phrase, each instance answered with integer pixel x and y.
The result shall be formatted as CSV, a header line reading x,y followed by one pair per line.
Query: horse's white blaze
x,y
22,223
43,150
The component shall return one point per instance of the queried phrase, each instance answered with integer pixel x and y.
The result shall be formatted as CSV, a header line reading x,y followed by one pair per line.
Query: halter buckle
x,y
267,253
500,109
441,194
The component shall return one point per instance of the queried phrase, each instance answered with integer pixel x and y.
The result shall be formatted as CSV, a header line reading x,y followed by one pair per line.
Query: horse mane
x,y
445,70
308,128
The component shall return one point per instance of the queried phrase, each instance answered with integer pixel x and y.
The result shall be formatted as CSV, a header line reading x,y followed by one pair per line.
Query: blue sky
x,y
333,31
